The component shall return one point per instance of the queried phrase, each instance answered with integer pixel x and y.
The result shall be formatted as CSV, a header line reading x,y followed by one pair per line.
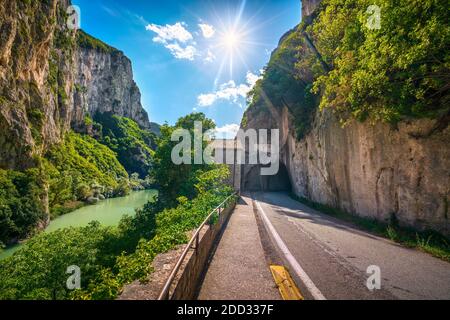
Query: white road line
x,y
315,292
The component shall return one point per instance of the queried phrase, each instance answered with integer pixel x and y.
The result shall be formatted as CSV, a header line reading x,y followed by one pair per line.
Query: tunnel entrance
x,y
254,181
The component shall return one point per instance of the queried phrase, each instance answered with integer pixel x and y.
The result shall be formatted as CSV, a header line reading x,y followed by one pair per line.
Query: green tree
x,y
177,180
133,145
21,203
399,70
38,270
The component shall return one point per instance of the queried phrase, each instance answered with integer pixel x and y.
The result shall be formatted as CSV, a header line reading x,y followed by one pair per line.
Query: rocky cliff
x,y
367,168
104,83
35,79
51,77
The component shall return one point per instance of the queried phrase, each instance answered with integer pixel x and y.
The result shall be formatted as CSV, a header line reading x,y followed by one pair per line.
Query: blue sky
x,y
192,55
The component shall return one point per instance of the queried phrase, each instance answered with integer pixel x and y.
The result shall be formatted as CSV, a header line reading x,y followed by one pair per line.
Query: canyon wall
x,y
35,79
373,171
49,81
368,168
104,83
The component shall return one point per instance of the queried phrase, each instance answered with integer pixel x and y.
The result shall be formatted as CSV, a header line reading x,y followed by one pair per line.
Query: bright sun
x,y
231,40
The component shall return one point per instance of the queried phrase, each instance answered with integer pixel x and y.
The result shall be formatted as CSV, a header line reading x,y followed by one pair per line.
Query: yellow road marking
x,y
286,285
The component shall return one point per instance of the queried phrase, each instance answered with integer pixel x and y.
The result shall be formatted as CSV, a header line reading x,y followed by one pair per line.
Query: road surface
x,y
329,258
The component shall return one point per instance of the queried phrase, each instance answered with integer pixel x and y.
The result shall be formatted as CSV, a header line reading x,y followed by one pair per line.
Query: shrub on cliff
x,y
334,60
76,164
132,144
284,86
87,41
401,69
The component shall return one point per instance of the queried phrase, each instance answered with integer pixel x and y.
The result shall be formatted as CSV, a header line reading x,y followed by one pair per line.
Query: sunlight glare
x,y
231,40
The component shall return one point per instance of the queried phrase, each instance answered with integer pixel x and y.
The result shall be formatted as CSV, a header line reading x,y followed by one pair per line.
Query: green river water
x,y
107,212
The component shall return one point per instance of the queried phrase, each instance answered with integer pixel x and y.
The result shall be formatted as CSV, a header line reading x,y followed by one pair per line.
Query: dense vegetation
x,y
177,180
21,205
133,145
80,169
87,41
70,173
400,70
110,257
283,86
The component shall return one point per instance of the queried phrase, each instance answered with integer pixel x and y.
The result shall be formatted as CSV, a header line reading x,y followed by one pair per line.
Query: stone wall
x,y
187,285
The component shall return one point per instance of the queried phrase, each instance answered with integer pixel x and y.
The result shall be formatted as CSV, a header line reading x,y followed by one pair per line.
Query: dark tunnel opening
x,y
254,181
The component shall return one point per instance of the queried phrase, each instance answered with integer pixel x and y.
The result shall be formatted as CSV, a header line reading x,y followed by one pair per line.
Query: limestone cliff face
x,y
104,83
369,170
35,79
48,82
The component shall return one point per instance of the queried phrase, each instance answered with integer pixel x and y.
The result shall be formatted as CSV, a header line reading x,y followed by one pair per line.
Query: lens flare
x,y
232,40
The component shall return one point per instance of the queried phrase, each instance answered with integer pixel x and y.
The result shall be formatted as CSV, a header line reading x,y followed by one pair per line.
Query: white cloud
x,y
205,100
252,79
207,30
169,33
110,11
229,91
228,131
210,57
171,36
178,52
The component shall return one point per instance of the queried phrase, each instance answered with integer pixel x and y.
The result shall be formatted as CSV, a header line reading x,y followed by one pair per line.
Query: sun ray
x,y
241,57
235,41
239,15
219,74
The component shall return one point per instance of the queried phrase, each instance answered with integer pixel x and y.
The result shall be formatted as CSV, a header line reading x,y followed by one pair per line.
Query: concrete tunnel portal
x,y
248,177
252,180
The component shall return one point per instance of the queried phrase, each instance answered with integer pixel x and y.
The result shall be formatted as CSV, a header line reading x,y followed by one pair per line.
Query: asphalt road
x,y
329,258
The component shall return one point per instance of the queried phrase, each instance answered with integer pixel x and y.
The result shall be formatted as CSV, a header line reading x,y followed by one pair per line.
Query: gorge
x,y
87,180
53,82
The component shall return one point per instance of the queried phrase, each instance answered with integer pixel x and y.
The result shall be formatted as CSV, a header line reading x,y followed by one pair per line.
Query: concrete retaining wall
x,y
196,262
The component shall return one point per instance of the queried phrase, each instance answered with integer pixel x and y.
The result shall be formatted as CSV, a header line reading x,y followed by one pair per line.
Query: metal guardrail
x,y
164,295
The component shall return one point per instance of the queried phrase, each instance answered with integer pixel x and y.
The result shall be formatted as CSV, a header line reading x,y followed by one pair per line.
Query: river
x,y
107,212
